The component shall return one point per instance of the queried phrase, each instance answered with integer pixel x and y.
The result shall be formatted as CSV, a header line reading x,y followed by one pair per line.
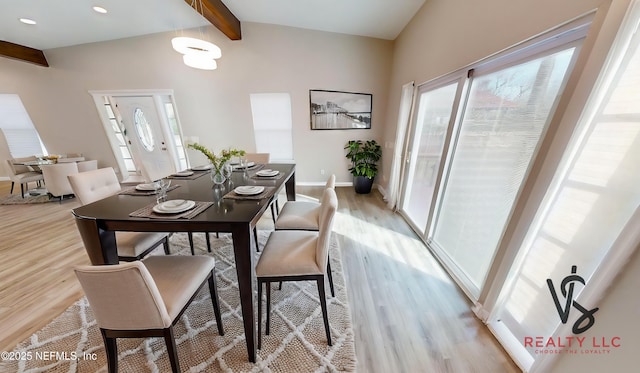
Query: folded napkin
x,y
266,193
132,191
147,212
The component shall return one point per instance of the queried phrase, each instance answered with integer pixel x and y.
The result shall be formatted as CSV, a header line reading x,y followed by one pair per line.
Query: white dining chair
x,y
22,175
84,166
146,298
91,186
298,256
55,178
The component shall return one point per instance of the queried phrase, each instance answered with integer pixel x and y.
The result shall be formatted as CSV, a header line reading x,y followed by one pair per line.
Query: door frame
x,y
159,97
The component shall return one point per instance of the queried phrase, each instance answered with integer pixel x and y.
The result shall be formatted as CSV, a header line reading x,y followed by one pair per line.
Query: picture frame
x,y
337,110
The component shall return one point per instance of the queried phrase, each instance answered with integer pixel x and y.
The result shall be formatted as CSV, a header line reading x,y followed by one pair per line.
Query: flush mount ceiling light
x,y
99,9
199,61
27,21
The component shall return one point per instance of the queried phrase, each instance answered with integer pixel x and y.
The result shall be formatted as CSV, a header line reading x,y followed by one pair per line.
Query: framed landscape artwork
x,y
334,110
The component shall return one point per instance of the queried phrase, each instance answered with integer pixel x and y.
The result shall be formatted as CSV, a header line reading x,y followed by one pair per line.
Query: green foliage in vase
x,y
217,160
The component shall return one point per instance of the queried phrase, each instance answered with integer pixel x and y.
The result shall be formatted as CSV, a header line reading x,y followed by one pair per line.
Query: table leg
x,y
290,186
241,234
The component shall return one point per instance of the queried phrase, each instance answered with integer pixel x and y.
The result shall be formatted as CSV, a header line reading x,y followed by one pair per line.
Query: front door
x,y
143,130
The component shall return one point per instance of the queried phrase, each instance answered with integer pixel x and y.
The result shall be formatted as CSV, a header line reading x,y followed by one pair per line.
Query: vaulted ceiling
x,y
62,23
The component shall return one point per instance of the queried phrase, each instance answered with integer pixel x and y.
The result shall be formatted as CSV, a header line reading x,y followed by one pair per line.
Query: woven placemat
x,y
274,177
255,167
147,212
196,174
132,191
266,193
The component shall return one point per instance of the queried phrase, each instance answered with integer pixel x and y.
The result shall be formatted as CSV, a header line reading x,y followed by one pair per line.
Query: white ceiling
x,y
70,22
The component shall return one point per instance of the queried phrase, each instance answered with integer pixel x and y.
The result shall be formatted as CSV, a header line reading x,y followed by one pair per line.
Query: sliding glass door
x,y
505,115
472,141
429,135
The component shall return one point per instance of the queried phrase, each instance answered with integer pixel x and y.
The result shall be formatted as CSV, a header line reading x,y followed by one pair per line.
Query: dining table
x,y
97,222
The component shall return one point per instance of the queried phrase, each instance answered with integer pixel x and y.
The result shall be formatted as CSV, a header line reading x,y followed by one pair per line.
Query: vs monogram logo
x,y
566,288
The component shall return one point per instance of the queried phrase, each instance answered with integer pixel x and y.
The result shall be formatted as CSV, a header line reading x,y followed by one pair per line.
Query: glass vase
x,y
217,176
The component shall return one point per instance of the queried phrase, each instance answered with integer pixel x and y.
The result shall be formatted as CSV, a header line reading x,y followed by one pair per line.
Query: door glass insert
x,y
143,130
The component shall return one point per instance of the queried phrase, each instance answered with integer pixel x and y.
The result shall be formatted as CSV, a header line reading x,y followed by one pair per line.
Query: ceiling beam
x,y
22,53
219,15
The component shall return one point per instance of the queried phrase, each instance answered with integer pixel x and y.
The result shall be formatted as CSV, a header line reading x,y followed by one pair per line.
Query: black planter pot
x,y
362,184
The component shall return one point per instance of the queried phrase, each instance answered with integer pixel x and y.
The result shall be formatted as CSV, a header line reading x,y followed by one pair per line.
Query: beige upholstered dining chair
x,y
146,298
21,174
84,166
55,178
305,216
259,158
91,186
298,256
302,215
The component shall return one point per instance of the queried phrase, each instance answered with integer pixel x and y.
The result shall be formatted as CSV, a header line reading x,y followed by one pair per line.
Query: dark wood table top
x,y
114,211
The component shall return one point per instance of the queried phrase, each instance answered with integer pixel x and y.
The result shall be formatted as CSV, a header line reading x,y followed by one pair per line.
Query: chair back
x,y
20,169
55,178
328,208
123,296
84,166
260,158
331,182
91,186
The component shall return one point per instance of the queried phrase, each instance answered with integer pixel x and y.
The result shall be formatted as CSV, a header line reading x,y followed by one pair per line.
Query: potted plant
x,y
364,157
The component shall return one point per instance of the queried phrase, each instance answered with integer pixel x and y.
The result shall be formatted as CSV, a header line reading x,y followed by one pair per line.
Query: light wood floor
x,y
408,315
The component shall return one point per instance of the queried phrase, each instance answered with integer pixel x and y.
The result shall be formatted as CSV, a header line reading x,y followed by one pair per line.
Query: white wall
x,y
213,105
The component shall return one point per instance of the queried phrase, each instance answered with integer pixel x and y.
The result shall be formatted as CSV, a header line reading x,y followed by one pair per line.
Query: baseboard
x,y
5,178
322,183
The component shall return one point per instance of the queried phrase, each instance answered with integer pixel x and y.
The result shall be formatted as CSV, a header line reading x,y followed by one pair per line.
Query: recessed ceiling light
x,y
27,21
99,9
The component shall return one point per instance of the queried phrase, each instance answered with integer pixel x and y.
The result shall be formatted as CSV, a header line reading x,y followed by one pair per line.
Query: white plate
x,y
249,190
267,173
173,206
204,167
238,167
146,187
183,173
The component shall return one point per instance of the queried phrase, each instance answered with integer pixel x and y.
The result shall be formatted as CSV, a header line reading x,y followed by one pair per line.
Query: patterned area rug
x,y
16,199
297,341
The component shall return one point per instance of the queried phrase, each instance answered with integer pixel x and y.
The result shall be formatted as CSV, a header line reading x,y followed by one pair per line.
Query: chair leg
x,y
190,235
22,190
323,305
259,314
333,293
273,214
12,184
111,348
255,238
166,246
266,329
213,290
208,241
171,349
